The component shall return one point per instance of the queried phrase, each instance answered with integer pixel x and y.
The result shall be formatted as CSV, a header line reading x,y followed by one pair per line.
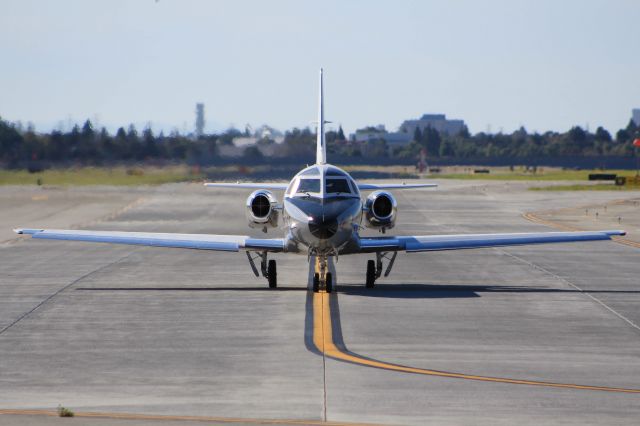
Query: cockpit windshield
x,y
318,182
337,186
308,186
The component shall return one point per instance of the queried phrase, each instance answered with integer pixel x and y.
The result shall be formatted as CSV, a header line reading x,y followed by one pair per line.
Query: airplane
x,y
322,213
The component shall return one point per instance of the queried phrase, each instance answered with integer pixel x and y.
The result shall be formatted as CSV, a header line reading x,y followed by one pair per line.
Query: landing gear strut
x,y
374,268
322,277
267,267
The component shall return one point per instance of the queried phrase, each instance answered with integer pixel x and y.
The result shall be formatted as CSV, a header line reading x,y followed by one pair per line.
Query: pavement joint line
x,y
326,345
533,217
133,416
114,214
51,296
18,239
10,241
109,216
582,291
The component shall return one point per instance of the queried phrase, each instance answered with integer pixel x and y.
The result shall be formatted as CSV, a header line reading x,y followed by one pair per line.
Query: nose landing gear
x,y
322,277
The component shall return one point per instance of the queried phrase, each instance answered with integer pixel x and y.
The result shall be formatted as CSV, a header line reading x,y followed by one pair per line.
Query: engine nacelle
x,y
262,210
381,210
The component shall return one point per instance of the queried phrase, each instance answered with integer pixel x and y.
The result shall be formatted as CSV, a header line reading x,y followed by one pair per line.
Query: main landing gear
x,y
374,267
322,277
267,267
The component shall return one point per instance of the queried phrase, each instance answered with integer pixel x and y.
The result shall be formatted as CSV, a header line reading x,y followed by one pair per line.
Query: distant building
x,y
368,133
635,116
263,133
379,132
199,120
438,122
367,137
265,138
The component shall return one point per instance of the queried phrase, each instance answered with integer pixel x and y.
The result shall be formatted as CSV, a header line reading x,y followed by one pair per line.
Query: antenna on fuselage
x,y
321,148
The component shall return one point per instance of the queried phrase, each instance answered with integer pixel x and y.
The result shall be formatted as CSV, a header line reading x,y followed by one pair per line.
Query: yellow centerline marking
x,y
323,340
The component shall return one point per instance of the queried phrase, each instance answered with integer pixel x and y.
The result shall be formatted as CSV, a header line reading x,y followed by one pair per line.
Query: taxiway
x,y
179,333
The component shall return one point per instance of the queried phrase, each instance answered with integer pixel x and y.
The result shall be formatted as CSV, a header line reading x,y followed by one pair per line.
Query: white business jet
x,y
322,213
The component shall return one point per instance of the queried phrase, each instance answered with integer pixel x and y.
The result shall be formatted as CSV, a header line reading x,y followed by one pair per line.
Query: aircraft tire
x,y
272,274
371,274
316,283
328,282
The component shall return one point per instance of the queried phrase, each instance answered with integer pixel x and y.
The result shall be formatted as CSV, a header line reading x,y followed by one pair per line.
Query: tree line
x,y
576,142
85,145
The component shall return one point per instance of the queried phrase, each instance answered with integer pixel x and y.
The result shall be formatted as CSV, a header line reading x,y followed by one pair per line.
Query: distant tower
x,y
199,119
635,116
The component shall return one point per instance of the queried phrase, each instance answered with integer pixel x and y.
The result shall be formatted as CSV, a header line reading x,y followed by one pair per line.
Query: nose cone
x,y
323,228
322,223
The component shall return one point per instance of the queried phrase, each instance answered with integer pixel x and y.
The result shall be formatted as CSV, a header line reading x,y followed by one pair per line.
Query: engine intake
x,y
262,210
381,210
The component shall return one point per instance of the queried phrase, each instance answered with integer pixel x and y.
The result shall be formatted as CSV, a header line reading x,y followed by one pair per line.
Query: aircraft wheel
x,y
316,283
272,274
328,282
371,274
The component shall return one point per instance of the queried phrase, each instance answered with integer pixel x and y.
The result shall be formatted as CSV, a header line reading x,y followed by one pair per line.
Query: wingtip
x,y
27,231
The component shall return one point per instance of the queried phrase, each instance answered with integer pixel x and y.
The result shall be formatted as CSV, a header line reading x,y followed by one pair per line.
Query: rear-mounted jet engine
x,y
381,210
262,210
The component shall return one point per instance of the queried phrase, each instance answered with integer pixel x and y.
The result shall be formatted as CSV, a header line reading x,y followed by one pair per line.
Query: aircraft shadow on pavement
x,y
391,291
187,289
435,291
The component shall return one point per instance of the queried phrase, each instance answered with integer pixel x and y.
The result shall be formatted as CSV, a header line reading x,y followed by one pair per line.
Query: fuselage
x,y
322,209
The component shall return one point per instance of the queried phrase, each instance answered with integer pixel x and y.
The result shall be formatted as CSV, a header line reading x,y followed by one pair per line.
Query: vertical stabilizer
x,y
321,148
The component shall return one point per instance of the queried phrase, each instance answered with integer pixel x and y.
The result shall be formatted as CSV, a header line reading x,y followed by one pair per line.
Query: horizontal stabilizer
x,y
371,186
248,185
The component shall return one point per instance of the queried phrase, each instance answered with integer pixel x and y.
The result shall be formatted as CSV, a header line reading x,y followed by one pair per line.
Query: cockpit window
x,y
308,185
334,186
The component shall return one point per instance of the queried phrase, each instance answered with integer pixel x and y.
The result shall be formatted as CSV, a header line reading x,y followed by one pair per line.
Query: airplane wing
x,y
371,186
153,239
249,185
413,244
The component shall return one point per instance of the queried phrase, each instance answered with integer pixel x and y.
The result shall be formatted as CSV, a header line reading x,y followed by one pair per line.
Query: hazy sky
x,y
541,64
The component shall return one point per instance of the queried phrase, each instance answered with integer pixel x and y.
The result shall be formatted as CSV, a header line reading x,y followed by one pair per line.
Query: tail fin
x,y
321,149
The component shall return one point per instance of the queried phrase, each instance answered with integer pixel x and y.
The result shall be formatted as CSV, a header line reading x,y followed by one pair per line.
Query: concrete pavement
x,y
188,333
